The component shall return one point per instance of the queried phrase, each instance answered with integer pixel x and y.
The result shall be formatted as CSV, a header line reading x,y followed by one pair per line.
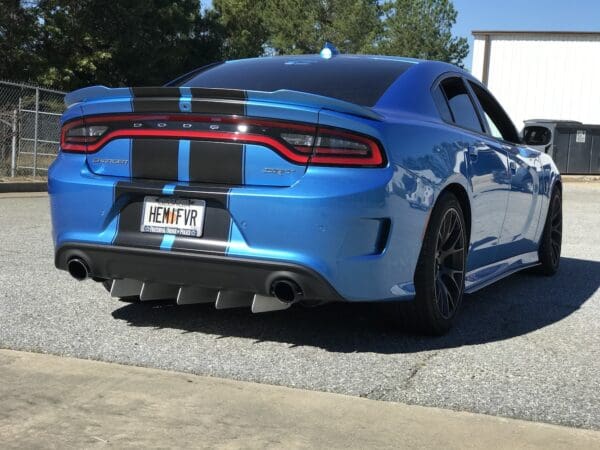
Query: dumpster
x,y
574,146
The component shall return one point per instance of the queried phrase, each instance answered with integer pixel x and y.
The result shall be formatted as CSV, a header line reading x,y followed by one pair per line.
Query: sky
x,y
528,15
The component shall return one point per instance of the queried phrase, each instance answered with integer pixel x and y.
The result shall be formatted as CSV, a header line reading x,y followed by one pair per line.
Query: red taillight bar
x,y
263,132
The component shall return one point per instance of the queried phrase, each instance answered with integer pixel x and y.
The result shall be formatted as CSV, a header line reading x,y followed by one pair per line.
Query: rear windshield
x,y
354,79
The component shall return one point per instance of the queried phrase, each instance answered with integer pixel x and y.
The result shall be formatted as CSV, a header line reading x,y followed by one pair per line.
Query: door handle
x,y
474,149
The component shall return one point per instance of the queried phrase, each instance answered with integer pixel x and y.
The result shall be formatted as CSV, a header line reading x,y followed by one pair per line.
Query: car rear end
x,y
224,195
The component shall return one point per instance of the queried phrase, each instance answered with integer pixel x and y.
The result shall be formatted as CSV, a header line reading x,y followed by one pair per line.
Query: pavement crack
x,y
416,368
383,391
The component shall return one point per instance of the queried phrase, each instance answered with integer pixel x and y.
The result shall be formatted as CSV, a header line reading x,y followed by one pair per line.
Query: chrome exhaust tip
x,y
287,291
78,269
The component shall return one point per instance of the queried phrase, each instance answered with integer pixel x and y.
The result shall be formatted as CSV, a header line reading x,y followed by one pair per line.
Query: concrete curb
x,y
580,178
57,402
24,186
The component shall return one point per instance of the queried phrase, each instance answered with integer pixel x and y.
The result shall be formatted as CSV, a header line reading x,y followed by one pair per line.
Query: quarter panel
x,y
429,156
80,212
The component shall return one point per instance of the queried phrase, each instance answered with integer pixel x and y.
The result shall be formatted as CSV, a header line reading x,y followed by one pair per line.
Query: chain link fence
x,y
29,128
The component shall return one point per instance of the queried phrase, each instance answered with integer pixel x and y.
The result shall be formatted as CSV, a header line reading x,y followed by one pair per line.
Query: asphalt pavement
x,y
527,347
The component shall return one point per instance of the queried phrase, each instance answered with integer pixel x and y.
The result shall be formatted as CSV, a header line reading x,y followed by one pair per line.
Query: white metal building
x,y
541,75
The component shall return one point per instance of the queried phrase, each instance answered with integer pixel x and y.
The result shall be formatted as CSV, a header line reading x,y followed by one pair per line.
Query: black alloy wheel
x,y
551,240
440,272
449,264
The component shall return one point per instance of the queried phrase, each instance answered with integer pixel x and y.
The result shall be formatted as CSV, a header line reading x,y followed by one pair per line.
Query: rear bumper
x,y
186,269
354,228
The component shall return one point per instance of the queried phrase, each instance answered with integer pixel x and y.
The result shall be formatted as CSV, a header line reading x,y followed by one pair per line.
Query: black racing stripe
x,y
166,100
217,222
230,94
215,193
229,107
131,206
137,188
216,162
154,158
155,99
215,236
153,91
155,105
233,101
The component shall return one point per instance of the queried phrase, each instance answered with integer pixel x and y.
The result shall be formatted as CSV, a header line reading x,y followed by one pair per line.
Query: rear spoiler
x,y
282,96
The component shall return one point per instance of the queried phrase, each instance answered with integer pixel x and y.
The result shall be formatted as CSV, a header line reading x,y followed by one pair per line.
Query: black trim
x,y
185,269
466,80
499,109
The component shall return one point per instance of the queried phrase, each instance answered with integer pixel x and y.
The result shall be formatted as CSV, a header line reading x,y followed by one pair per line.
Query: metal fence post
x,y
13,155
35,131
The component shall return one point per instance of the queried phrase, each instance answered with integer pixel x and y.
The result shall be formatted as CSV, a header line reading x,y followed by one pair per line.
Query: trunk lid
x,y
199,135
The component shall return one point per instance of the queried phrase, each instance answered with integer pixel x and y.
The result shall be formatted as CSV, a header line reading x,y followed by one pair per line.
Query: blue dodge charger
x,y
271,181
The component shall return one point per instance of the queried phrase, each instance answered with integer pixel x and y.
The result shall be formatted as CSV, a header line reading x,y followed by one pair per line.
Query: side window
x,y
460,104
442,105
494,131
498,121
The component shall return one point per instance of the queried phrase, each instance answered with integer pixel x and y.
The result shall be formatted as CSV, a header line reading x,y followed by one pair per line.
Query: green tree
x,y
18,31
421,29
125,42
240,25
303,26
255,27
72,43
418,28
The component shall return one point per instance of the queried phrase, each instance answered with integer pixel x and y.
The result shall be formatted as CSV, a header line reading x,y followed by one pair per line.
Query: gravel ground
x,y
527,347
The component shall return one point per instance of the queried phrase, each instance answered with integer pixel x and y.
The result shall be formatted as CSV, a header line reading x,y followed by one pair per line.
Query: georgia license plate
x,y
173,216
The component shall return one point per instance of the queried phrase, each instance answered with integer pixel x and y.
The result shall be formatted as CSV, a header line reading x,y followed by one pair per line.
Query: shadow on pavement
x,y
515,306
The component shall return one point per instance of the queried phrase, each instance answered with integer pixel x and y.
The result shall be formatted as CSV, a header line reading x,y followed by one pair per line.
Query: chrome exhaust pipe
x,y
78,269
287,291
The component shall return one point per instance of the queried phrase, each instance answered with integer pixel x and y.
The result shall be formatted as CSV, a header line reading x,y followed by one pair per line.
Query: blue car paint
x,y
81,202
117,151
183,160
332,219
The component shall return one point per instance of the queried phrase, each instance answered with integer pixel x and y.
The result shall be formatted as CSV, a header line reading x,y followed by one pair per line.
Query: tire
x,y
551,240
439,280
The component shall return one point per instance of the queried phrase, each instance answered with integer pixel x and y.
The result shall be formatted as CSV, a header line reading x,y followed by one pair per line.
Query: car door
x,y
486,166
522,212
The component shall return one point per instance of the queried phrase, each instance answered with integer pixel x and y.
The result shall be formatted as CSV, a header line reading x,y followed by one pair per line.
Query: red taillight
x,y
299,143
75,136
342,148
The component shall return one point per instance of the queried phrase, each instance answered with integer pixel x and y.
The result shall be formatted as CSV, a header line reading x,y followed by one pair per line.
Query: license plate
x,y
173,216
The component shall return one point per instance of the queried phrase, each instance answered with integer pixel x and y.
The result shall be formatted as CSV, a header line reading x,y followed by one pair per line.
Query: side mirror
x,y
536,135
